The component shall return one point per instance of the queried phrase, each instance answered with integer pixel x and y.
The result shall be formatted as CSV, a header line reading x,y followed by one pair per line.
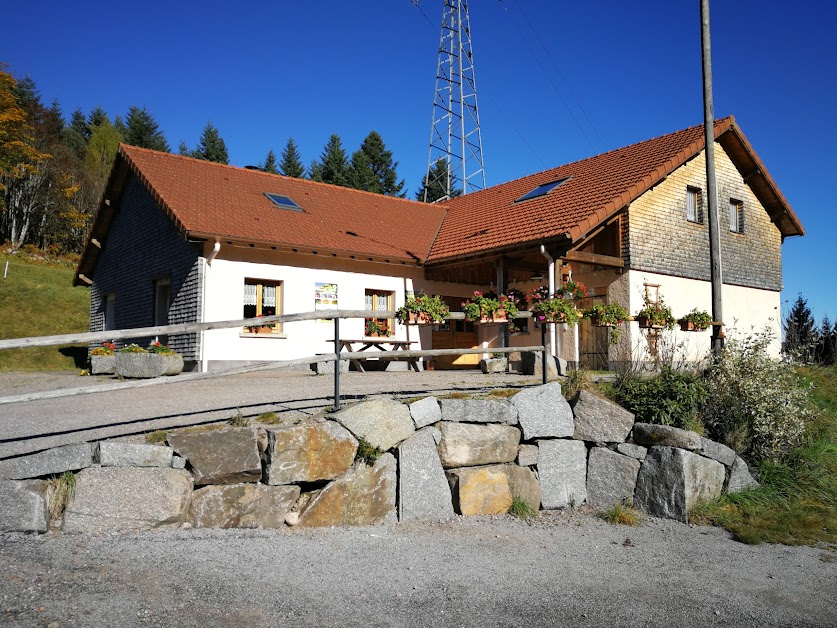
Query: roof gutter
x,y
216,248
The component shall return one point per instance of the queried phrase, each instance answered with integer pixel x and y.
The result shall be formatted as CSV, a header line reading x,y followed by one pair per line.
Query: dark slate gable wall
x,y
143,245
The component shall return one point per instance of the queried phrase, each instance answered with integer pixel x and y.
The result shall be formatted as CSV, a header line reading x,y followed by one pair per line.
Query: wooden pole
x,y
716,275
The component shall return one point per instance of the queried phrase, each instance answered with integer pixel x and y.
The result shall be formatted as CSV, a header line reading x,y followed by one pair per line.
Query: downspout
x,y
553,334
216,248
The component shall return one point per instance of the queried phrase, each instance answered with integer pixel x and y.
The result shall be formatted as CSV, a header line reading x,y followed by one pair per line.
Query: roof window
x,y
283,202
541,190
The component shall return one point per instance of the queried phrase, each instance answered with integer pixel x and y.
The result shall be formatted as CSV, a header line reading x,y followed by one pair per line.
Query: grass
x,y
239,420
37,298
60,490
521,509
797,501
367,453
155,438
622,514
269,418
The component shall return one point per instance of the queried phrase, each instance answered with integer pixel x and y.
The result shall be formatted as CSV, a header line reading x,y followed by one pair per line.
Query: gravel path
x,y
565,569
37,425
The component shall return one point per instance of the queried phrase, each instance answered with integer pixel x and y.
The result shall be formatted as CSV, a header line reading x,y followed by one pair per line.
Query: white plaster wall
x,y
224,290
746,310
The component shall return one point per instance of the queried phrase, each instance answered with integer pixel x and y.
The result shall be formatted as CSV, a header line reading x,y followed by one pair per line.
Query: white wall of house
x,y
224,300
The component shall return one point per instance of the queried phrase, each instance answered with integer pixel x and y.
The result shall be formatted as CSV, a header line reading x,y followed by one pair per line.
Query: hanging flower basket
x,y
498,316
696,320
422,310
646,323
489,308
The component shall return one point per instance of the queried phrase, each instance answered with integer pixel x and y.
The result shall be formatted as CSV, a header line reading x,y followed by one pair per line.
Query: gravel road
x,y
566,569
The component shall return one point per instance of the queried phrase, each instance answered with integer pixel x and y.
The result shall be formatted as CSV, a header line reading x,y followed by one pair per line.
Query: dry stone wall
x,y
436,459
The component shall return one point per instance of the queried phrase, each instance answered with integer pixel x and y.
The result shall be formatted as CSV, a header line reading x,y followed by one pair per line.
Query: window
x,y
262,298
694,205
736,216
162,301
110,311
541,190
379,301
283,202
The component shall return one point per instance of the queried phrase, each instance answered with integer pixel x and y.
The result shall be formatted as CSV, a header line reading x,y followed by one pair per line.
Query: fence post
x,y
336,362
543,353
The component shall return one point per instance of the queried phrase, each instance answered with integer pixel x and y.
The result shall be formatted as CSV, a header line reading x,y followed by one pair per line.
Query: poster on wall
x,y
325,298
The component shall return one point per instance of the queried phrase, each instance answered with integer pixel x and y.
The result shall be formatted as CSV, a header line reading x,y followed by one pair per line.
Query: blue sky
x,y
557,81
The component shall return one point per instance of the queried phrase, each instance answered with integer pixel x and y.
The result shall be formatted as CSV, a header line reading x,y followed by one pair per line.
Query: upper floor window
x,y
736,216
262,298
694,204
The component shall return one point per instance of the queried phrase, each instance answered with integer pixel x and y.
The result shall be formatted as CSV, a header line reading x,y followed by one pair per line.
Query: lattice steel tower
x,y
455,128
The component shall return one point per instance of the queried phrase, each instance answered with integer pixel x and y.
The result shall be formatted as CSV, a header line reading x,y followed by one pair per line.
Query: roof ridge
x,y
259,171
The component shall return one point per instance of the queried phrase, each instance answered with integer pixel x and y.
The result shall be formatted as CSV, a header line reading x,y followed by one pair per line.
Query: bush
x,y
670,398
757,405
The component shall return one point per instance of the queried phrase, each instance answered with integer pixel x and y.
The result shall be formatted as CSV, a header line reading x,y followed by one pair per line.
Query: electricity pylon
x,y
455,127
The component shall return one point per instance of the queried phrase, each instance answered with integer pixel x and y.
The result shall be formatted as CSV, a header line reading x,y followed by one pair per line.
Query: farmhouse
x,y
181,240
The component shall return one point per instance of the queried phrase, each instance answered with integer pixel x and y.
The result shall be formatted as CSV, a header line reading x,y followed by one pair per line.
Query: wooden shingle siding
x,y
143,245
661,239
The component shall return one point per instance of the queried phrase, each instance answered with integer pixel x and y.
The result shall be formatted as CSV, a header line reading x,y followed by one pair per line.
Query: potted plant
x,y
134,362
656,316
536,295
376,328
489,308
422,309
557,310
172,361
696,320
103,360
572,290
611,315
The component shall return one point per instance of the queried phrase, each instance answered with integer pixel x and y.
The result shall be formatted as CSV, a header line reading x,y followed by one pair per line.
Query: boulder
x,y
531,364
562,467
543,412
361,496
672,481
381,422
634,451
666,436
327,368
423,491
467,445
114,454
23,507
739,477
599,419
425,412
717,451
490,490
50,462
527,455
242,506
493,365
611,478
226,456
308,452
127,499
478,411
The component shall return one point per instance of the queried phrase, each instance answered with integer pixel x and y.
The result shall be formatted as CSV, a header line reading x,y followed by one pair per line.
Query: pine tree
x,y
826,350
211,146
333,166
183,149
78,123
141,129
96,117
270,163
381,166
435,183
119,125
361,175
291,165
800,333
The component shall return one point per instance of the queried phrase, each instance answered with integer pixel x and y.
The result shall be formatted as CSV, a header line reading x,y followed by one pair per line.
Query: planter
x,y
554,318
418,318
147,365
265,330
645,323
497,317
690,326
103,364
597,323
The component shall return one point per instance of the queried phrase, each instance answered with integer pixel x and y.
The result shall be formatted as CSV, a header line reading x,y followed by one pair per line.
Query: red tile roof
x,y
212,200
596,189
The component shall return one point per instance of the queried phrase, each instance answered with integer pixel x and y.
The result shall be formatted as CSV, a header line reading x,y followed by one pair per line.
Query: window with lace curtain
x,y
262,298
379,301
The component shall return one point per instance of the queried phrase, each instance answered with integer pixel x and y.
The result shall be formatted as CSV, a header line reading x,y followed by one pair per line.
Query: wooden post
x,y
716,275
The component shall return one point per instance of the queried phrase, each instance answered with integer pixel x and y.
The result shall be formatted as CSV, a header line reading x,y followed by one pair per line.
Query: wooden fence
x,y
150,332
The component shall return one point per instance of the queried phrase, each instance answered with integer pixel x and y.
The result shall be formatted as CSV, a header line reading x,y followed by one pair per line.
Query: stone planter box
x,y
147,365
493,365
103,364
327,368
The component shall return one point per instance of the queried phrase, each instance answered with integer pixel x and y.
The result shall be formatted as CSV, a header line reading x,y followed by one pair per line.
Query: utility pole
x,y
455,135
716,275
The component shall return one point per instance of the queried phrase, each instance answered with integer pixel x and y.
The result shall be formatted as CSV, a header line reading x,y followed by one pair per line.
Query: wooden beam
x,y
85,279
594,258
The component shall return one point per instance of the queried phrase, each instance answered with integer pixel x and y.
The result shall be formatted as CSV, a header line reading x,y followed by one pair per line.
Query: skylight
x,y
541,190
283,202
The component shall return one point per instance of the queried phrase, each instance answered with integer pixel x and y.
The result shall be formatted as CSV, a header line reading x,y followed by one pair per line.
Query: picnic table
x,y
382,344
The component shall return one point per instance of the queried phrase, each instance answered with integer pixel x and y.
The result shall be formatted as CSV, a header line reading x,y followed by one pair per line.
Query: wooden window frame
x,y
736,208
698,192
389,295
259,307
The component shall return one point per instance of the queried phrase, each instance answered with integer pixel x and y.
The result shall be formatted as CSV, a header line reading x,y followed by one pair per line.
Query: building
x,y
182,240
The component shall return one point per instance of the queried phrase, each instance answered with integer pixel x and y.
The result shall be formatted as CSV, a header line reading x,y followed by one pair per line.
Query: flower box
x,y
418,318
103,364
148,365
597,322
689,326
498,316
645,323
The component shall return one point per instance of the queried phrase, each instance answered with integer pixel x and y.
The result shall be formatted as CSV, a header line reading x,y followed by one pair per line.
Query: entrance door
x,y
594,342
455,335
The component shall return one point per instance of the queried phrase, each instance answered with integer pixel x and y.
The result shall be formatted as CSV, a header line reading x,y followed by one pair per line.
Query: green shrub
x,y
670,398
757,405
520,509
366,452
